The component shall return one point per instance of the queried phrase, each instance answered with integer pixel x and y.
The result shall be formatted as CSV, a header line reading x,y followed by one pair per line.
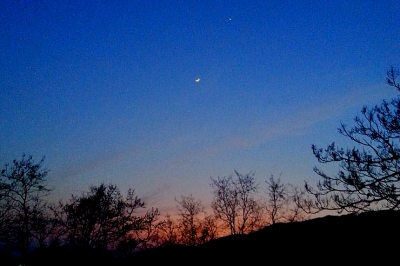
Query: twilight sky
x,y
106,90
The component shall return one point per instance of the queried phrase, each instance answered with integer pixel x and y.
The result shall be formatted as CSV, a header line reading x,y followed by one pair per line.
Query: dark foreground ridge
x,y
371,238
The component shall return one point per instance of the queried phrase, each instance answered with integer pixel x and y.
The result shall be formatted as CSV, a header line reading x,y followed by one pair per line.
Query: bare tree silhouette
x,y
22,207
369,176
234,202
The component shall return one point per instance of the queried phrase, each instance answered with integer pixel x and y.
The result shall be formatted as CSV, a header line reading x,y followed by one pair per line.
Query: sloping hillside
x,y
365,238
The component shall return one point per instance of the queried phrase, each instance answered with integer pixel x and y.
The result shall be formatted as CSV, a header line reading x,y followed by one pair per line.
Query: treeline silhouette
x,y
368,237
103,224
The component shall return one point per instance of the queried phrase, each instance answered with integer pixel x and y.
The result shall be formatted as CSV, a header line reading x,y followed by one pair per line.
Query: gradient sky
x,y
106,90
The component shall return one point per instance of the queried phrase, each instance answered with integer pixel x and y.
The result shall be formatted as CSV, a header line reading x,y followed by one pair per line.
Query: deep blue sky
x,y
106,90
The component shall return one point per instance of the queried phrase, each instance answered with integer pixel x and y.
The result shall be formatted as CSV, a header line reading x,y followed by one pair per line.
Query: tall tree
x,y
169,232
189,219
22,205
277,201
100,219
149,230
234,202
282,202
296,212
209,229
369,176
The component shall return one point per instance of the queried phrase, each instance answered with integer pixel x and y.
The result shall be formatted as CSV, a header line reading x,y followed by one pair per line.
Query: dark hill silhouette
x,y
371,237
367,238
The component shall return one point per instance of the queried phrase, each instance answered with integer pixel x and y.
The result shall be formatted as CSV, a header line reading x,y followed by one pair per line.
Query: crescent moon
x,y
197,80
